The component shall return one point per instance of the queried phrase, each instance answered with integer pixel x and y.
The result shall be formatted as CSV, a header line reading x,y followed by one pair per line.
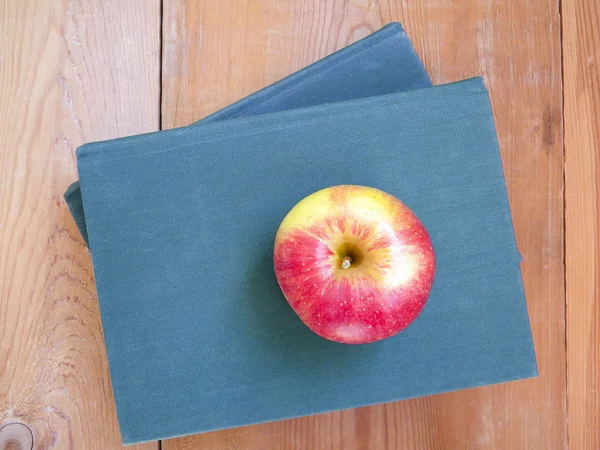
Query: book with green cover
x,y
181,227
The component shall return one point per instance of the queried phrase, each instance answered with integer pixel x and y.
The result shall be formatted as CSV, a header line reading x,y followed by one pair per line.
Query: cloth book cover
x,y
382,63
181,226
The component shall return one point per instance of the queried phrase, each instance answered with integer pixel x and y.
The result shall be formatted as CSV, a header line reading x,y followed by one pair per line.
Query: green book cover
x,y
181,227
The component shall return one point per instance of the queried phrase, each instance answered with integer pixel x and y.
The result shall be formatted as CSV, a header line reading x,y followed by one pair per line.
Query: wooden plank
x,y
214,54
70,71
581,61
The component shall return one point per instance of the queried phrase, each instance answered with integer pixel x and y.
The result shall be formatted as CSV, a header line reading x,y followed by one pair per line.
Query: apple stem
x,y
346,262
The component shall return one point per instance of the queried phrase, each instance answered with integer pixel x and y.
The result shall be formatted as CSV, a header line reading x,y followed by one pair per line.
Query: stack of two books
x,y
181,225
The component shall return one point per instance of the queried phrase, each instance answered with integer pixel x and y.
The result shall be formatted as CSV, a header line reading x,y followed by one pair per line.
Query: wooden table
x,y
73,71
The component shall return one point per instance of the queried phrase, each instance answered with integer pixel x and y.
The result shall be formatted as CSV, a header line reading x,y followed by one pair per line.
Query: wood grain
x,y
71,71
215,53
581,60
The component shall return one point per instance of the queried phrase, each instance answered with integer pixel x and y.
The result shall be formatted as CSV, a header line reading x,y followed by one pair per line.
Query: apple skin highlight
x,y
354,263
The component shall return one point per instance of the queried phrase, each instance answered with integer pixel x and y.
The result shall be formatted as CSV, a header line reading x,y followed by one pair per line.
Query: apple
x,y
354,263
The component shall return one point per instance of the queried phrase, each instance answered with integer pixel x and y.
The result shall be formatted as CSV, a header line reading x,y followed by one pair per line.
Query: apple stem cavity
x,y
346,262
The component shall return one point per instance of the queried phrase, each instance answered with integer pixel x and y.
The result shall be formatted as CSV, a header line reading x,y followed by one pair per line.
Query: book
x,y
181,227
381,63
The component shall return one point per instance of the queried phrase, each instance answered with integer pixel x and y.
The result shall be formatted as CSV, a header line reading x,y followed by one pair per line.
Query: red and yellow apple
x,y
354,263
